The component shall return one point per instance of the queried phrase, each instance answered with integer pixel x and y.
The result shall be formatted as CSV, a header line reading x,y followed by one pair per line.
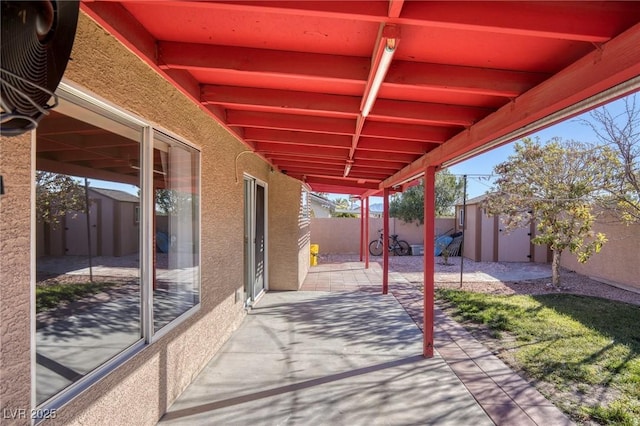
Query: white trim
x,y
252,255
79,102
147,234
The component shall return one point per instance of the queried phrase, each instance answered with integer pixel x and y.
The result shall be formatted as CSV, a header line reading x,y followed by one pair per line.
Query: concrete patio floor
x,y
338,352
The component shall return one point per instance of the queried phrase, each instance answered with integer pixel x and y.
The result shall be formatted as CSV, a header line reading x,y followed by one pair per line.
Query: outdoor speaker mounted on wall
x,y
37,37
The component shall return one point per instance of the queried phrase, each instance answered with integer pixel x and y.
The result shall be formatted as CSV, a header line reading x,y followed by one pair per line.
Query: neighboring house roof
x,y
116,194
474,200
325,202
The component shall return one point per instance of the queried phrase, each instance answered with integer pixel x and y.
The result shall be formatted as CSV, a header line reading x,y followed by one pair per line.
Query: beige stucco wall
x,y
141,389
15,305
287,237
470,248
617,263
487,238
342,235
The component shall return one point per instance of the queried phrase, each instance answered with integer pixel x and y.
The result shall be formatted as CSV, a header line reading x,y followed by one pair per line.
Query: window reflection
x,y
88,280
176,277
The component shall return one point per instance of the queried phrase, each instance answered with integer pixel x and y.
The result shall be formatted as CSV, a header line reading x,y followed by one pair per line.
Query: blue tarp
x,y
162,242
441,243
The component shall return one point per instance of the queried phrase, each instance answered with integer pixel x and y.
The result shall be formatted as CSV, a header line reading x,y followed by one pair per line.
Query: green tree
x,y
56,196
171,201
342,203
556,185
621,132
409,206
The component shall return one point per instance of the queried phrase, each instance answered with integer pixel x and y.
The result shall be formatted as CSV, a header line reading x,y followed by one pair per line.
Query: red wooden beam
x,y
414,132
581,21
342,182
613,64
376,11
450,78
384,156
255,62
394,146
297,138
395,8
312,151
427,113
366,232
429,263
273,100
305,123
385,239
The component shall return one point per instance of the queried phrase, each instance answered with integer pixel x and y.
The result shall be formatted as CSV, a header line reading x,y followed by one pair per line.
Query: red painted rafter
x,y
391,145
559,20
395,7
262,61
413,132
593,23
449,78
387,166
297,138
617,62
358,183
273,100
427,113
304,123
312,151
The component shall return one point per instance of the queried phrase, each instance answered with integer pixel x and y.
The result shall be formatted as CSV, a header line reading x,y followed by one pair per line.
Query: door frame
x,y
251,183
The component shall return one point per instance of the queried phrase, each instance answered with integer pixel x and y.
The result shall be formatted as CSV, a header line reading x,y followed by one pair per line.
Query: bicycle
x,y
398,247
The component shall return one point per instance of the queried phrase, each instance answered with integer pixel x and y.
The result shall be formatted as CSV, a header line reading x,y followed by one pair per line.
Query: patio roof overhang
x,y
353,97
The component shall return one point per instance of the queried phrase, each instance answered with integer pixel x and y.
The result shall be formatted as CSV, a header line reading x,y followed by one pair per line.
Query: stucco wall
x,y
286,237
342,235
15,301
141,389
617,263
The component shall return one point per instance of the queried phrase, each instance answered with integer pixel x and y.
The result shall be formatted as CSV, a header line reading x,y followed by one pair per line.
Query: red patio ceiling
x,y
290,79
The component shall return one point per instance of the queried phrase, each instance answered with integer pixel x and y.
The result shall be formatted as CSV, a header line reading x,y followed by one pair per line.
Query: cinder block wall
x,y
342,235
617,263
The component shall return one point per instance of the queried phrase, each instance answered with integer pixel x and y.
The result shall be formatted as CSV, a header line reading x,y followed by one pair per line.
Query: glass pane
x,y
88,277
176,286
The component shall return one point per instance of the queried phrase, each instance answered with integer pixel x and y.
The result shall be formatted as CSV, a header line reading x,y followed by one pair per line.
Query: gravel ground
x,y
500,277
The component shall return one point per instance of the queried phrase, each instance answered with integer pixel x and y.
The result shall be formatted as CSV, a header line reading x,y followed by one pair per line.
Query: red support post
x,y
366,233
429,261
363,241
385,240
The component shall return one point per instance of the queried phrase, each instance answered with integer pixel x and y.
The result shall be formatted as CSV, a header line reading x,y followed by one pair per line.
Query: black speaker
x,y
37,37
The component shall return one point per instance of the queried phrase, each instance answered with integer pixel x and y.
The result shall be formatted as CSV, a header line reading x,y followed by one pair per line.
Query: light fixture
x,y
347,168
381,72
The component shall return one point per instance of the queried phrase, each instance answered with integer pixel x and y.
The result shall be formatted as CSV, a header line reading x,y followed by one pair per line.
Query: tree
x,y
56,196
409,206
342,203
171,201
621,132
556,185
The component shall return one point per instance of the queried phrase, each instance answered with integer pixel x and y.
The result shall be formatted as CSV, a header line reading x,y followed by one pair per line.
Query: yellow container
x,y
315,248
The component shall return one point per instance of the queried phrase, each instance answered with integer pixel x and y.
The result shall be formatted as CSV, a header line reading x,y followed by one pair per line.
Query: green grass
x,y
581,345
50,296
